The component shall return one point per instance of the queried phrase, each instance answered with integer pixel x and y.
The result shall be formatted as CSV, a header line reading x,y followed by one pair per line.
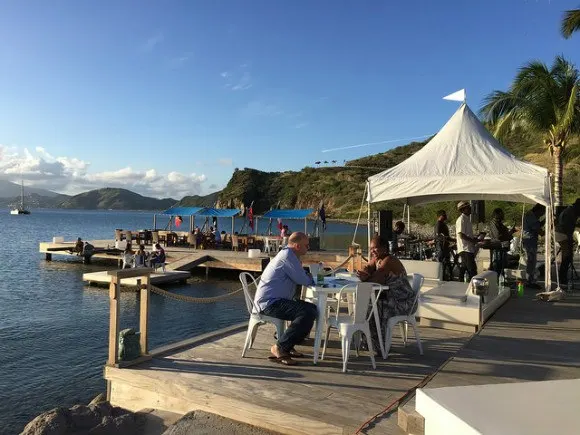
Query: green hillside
x,y
116,199
199,201
341,187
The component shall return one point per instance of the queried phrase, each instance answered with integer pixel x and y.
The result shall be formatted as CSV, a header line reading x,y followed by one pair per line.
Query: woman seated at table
x,y
386,269
141,257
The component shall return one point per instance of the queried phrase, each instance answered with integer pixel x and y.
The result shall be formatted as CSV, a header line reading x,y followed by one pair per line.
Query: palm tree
x,y
542,99
317,163
334,162
570,23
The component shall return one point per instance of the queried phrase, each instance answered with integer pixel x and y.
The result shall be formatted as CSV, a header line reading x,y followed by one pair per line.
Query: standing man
x,y
465,241
397,231
565,227
442,240
532,226
275,293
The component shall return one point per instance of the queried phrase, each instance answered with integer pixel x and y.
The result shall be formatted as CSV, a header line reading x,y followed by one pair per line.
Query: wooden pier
x,y
186,259
156,278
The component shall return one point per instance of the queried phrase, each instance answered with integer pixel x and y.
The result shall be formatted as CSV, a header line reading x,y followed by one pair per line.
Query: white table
x,y
332,286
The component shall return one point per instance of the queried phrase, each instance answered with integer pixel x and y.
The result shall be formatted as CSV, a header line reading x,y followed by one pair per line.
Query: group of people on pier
x,y
276,294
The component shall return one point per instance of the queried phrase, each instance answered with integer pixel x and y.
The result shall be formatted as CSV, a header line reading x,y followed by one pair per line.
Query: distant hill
x,y
115,199
199,201
11,190
341,187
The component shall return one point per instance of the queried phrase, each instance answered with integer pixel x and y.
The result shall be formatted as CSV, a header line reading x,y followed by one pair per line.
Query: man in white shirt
x,y
465,241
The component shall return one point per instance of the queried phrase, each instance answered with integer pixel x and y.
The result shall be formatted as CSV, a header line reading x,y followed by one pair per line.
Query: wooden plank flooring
x,y
169,276
304,399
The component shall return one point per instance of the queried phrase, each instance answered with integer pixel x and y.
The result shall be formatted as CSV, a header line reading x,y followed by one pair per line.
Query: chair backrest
x,y
235,242
416,280
247,280
362,300
576,237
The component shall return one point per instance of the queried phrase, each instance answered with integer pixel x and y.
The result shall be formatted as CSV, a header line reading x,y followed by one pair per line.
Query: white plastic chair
x,y
256,318
128,260
159,265
405,320
576,237
348,325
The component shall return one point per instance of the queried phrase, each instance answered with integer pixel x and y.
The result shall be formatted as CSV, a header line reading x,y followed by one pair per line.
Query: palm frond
x,y
496,105
570,115
570,23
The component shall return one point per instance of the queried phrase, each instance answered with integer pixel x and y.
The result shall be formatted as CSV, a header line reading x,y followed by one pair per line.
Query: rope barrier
x,y
192,299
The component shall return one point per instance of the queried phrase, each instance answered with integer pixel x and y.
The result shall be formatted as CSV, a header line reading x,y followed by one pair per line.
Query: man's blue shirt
x,y
280,278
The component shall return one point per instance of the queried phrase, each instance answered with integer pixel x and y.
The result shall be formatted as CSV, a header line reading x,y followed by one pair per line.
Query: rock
x,y
84,417
125,424
101,398
104,409
53,422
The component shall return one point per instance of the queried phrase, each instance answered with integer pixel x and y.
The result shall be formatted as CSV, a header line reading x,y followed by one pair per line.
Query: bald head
x,y
298,242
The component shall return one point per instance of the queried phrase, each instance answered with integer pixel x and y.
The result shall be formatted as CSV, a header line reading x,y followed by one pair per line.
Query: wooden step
x,y
409,420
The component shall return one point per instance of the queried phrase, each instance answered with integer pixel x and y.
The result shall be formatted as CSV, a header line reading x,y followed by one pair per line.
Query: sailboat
x,y
21,209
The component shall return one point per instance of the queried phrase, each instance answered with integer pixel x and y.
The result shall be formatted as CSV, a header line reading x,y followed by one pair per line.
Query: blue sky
x,y
166,98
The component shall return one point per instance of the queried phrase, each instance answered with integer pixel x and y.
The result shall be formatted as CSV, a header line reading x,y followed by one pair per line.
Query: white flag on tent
x,y
456,96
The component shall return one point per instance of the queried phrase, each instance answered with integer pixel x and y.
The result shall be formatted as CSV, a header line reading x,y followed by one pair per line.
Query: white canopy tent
x,y
464,161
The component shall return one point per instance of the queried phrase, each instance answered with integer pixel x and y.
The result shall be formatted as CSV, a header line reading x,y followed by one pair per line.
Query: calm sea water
x,y
54,329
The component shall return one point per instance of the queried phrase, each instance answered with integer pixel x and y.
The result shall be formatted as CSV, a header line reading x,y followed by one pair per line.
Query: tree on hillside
x,y
570,23
542,99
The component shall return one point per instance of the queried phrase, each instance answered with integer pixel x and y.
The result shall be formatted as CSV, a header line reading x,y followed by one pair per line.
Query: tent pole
x,y
408,220
233,218
256,230
154,221
305,226
368,187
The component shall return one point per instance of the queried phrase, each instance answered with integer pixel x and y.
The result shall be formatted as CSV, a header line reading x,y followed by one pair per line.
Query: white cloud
x,y
258,108
151,42
301,125
179,61
71,175
238,80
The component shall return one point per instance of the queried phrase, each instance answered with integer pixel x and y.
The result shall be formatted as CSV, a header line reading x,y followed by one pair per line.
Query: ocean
x,y
54,329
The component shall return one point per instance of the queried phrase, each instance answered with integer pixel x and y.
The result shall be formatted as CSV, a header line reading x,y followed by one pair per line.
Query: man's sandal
x,y
285,360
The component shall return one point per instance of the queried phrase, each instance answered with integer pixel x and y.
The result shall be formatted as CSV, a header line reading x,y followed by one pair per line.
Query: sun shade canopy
x,y
201,211
288,214
218,212
463,161
182,211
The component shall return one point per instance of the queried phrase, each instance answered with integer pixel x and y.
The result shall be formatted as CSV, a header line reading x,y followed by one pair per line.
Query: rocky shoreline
x,y
99,417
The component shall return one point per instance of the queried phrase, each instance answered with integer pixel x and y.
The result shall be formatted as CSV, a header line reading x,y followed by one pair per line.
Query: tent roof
x,y
463,161
218,212
201,211
182,211
288,214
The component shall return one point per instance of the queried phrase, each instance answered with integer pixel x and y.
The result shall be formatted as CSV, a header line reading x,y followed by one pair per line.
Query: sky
x,y
166,98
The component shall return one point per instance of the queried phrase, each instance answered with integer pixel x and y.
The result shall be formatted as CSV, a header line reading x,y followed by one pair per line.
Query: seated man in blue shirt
x,y
275,293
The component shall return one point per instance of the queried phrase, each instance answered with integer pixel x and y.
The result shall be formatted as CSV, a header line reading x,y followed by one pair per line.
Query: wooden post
x,y
113,321
144,313
351,253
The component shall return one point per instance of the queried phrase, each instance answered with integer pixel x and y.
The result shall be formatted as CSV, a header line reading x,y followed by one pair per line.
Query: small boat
x,y
20,209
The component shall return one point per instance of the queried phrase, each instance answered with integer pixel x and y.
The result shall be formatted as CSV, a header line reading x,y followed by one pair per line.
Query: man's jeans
x,y
531,251
301,313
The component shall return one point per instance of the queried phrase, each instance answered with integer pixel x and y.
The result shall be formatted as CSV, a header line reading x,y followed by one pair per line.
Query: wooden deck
x,y
183,258
209,374
158,278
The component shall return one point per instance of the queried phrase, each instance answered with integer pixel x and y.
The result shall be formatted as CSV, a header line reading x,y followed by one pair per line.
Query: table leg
x,y
320,322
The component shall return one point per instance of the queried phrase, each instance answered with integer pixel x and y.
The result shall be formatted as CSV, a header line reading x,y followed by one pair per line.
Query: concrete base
x,y
526,408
